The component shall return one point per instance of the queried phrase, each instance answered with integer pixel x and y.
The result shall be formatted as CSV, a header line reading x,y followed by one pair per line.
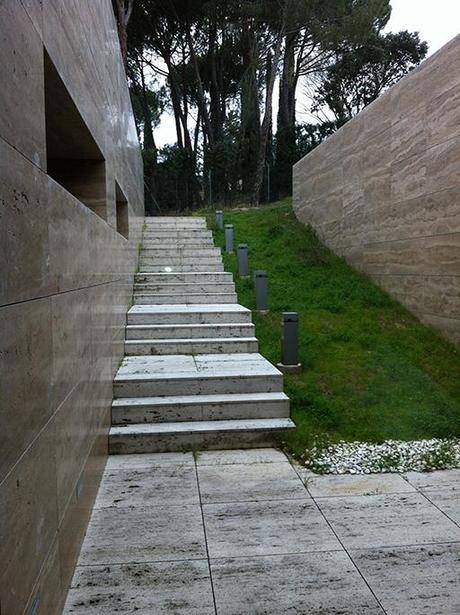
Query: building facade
x,y
71,215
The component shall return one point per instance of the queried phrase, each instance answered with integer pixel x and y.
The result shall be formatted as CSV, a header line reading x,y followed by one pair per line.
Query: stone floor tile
x,y
387,520
413,580
447,501
363,484
148,460
310,583
255,455
149,487
256,481
141,534
183,588
265,528
435,481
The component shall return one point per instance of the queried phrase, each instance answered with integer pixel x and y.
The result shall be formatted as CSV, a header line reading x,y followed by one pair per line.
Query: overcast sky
x,y
437,21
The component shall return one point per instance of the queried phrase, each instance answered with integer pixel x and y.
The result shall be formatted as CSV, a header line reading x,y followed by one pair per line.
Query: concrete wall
x,y
65,285
384,191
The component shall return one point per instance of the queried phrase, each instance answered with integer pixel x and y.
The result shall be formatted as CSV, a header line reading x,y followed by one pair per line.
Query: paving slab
x,y
148,487
387,520
266,528
447,501
143,534
182,588
246,456
413,580
369,484
251,482
131,462
435,481
313,583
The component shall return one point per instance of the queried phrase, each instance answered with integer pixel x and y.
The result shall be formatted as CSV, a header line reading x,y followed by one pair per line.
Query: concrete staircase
x,y
191,377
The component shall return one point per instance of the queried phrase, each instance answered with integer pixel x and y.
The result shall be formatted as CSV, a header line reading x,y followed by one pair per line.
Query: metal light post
x,y
229,238
243,265
219,219
261,288
290,344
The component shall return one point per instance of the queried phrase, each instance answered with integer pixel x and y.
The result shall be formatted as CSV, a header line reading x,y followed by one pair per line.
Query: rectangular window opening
x,y
73,157
122,212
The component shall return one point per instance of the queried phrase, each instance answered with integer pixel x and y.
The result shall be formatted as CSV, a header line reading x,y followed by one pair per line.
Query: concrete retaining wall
x,y
384,191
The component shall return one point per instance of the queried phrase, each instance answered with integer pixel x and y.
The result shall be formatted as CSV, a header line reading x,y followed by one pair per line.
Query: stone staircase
x,y
192,377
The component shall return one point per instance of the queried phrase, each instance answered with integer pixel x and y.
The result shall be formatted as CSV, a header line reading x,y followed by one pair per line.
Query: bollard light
x,y
243,266
261,288
219,219
229,238
290,343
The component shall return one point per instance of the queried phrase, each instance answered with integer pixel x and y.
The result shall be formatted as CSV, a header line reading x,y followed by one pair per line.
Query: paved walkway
x,y
244,532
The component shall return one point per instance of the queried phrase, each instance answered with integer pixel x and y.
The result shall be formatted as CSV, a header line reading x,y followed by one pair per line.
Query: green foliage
x,y
209,63
361,72
371,370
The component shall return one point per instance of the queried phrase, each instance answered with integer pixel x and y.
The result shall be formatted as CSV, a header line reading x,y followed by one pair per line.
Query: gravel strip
x,y
390,456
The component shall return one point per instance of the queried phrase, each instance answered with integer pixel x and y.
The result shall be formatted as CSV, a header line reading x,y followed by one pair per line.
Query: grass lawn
x,y
371,371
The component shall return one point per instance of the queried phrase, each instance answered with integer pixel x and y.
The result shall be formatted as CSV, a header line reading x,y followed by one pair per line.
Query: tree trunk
x,y
199,87
250,112
266,122
123,15
285,136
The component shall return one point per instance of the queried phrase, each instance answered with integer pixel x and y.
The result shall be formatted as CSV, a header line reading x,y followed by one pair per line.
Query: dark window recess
x,y
122,212
73,157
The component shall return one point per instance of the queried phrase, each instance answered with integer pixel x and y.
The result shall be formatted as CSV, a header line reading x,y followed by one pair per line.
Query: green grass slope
x,y
371,371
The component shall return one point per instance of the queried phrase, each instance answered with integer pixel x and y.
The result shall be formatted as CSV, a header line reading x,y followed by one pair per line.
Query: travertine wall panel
x,y
65,284
383,191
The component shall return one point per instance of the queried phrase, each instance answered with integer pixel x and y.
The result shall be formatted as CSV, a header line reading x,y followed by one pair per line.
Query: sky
x,y
438,21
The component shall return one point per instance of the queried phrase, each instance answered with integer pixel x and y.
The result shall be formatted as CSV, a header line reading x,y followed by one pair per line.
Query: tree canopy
x,y
218,67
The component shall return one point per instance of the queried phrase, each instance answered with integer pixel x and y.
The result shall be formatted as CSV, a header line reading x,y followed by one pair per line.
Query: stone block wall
x,y
66,280
384,191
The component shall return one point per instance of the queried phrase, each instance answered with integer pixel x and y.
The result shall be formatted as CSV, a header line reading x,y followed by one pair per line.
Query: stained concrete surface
x,y
247,533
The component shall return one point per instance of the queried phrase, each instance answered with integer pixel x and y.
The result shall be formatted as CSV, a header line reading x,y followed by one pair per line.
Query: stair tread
x,y
196,367
174,308
218,325
202,426
191,340
199,399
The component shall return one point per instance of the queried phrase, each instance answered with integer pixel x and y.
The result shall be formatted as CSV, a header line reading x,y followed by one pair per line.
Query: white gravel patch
x,y
390,456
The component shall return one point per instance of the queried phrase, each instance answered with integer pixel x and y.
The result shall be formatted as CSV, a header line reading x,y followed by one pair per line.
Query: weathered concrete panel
x,y
66,280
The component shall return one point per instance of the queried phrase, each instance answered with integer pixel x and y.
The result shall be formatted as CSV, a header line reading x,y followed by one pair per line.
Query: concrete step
x,y
189,278
166,234
176,260
191,346
177,243
184,314
127,411
174,219
185,287
183,251
170,332
179,224
186,224
182,268
202,374
197,435
146,298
